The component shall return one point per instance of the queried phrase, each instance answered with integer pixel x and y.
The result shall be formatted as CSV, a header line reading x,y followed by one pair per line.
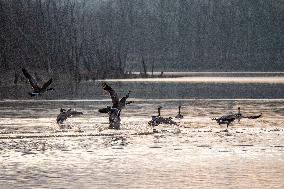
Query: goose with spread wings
x,y
37,90
63,115
116,103
228,119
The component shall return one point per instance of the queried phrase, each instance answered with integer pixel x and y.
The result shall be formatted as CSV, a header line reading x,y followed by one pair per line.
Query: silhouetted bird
x,y
179,116
157,120
63,115
37,90
117,105
226,119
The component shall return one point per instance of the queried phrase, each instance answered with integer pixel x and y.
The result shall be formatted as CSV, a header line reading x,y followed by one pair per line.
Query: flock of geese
x,y
118,105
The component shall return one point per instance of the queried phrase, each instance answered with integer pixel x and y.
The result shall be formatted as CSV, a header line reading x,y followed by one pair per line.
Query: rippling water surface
x,y
35,152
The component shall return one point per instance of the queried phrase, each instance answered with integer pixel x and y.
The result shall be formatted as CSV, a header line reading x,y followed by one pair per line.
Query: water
x,y
35,152
201,87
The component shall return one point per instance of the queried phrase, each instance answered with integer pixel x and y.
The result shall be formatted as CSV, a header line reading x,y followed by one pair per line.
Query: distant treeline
x,y
107,38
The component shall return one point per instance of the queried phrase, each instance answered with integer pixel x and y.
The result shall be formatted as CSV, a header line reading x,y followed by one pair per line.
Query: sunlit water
x,y
35,152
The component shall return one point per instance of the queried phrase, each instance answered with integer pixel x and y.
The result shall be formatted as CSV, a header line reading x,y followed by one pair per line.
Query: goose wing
x,y
31,79
122,101
75,113
104,110
46,84
254,116
113,94
228,117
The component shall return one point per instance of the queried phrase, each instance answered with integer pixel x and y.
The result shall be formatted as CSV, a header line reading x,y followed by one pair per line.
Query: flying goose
x,y
37,90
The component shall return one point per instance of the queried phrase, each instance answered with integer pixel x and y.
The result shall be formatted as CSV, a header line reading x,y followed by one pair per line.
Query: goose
x,y
37,90
63,115
117,105
239,115
179,116
157,120
226,119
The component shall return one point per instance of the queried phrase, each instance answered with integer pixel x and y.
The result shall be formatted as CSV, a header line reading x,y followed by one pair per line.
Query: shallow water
x,y
37,153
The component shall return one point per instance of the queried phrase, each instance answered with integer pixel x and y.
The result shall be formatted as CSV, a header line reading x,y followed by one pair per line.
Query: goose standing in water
x,y
239,115
63,115
37,90
228,119
117,105
157,120
179,116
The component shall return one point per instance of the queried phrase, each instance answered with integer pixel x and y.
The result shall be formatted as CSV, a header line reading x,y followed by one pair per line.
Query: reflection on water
x,y
37,153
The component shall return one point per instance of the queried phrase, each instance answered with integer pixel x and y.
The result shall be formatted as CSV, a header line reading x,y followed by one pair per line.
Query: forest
x,y
97,39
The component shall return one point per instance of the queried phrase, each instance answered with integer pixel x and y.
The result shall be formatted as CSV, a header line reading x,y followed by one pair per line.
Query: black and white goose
x,y
37,90
179,116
